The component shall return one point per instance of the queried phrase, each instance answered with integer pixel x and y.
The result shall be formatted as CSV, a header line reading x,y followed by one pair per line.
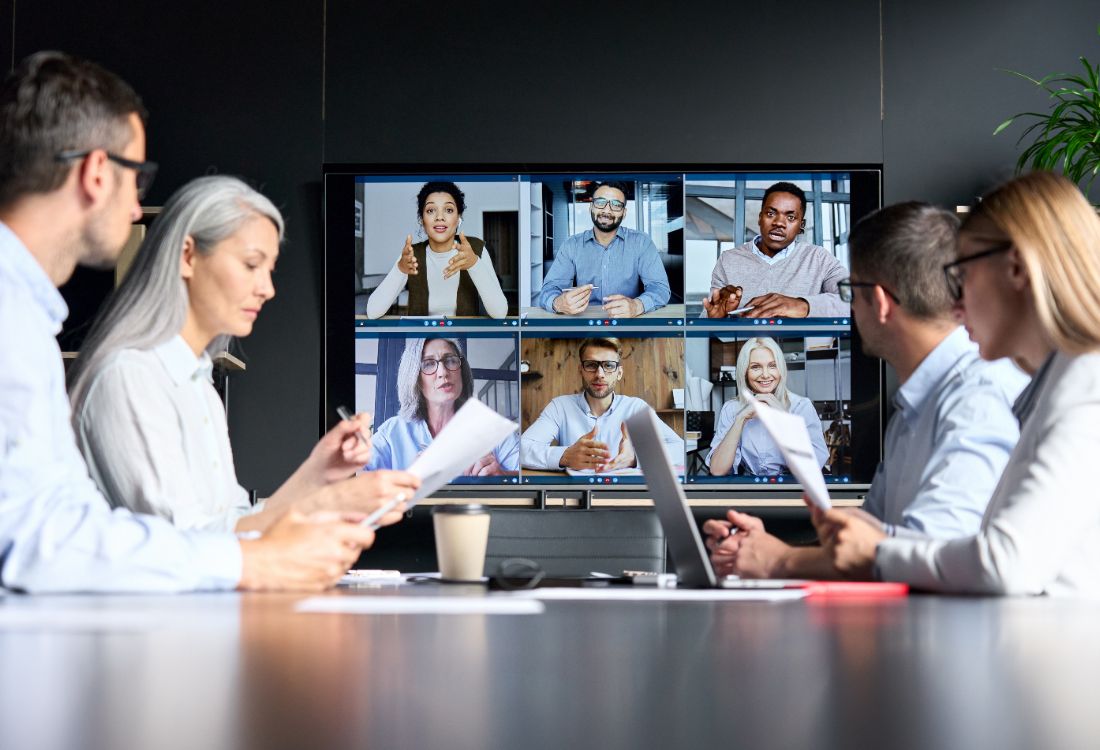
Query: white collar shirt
x,y
56,531
154,434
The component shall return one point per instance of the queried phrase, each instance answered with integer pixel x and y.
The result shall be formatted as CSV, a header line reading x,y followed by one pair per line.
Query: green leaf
x,y
1004,125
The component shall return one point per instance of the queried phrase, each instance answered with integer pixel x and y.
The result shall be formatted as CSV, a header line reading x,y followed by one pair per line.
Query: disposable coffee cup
x,y
461,535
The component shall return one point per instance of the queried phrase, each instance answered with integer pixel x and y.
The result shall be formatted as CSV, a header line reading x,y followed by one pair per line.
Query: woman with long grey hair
x,y
145,412
434,380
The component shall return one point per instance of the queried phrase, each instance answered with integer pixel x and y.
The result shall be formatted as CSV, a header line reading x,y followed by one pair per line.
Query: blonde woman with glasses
x,y
741,445
1026,280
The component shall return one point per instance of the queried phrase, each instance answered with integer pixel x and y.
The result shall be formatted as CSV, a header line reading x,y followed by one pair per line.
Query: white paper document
x,y
421,605
789,433
473,431
630,471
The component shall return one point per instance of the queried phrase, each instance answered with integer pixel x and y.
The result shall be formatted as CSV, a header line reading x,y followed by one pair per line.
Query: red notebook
x,y
855,589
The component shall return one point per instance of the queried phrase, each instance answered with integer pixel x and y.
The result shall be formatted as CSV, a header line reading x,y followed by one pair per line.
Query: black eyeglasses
x,y
956,274
616,205
845,286
608,365
451,361
519,573
146,170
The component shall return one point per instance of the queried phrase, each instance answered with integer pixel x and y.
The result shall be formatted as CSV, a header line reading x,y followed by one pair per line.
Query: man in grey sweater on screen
x,y
775,275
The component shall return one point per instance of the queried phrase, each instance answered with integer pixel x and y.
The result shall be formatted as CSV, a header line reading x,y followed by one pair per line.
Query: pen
x,y
345,414
373,518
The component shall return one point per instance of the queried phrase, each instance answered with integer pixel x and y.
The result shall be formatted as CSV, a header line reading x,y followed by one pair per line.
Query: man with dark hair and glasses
x,y
609,264
953,429
434,381
72,170
775,274
585,431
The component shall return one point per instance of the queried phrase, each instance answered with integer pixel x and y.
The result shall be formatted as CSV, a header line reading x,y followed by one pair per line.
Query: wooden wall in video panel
x,y
652,367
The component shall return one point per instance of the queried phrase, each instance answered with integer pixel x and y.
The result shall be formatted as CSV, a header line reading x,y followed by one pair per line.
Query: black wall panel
x,y
481,81
7,21
233,88
945,94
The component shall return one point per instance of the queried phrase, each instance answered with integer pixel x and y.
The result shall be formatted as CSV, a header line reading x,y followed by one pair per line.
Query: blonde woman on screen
x,y
146,416
741,444
1027,284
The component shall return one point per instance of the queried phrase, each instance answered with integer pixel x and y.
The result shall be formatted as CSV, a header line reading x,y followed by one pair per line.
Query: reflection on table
x,y
247,671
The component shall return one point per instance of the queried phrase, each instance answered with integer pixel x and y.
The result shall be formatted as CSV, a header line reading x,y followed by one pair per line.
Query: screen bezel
x,y
338,347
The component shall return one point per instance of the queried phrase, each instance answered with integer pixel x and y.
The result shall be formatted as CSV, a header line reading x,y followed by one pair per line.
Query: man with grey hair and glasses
x,y
72,172
953,429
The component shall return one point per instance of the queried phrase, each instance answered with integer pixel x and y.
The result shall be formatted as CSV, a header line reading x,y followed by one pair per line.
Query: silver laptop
x,y
689,556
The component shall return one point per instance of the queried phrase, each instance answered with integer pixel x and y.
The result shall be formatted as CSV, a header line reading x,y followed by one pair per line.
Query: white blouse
x,y
153,432
442,293
1041,530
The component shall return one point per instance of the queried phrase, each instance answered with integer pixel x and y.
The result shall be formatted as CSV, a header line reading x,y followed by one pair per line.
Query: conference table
x,y
248,670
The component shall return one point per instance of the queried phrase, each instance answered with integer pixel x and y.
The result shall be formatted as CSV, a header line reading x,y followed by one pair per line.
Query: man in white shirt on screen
x,y
953,430
72,170
585,431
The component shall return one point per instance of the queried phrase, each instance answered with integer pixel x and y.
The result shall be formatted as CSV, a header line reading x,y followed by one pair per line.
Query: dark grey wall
x,y
944,95
234,88
7,20
270,90
582,81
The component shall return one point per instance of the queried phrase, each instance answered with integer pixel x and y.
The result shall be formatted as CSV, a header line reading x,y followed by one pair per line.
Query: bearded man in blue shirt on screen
x,y
609,265
587,427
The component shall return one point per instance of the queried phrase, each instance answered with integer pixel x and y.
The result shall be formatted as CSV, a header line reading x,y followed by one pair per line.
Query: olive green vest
x,y
467,304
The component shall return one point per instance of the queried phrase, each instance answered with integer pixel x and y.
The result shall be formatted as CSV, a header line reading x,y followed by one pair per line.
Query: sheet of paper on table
x,y
421,605
790,435
630,471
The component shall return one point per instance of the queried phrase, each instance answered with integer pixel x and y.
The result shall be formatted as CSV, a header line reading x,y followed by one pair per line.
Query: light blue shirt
x,y
771,260
756,449
57,532
947,444
626,266
566,419
397,443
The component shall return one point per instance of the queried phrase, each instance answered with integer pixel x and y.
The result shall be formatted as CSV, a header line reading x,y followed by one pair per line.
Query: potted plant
x,y
1069,134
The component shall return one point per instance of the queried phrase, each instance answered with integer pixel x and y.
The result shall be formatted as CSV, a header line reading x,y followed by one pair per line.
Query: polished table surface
x,y
228,670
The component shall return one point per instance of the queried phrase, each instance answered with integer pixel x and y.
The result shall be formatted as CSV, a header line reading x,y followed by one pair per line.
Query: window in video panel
x,y
603,247
414,384
577,390
808,375
766,245
437,247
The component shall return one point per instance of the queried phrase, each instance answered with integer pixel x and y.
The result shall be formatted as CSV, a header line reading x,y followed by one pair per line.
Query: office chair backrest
x,y
577,542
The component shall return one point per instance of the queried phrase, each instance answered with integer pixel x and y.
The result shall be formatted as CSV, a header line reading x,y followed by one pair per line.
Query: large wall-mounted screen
x,y
568,299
